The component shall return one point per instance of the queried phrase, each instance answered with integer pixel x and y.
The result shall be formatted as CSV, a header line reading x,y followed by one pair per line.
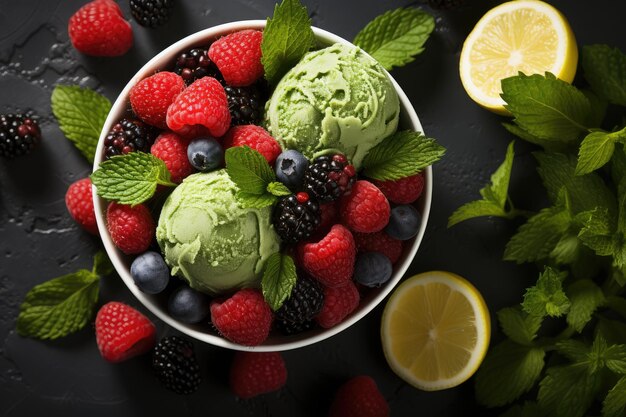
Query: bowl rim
x,y
120,106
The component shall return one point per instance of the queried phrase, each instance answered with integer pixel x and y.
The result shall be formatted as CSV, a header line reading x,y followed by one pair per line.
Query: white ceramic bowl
x,y
158,304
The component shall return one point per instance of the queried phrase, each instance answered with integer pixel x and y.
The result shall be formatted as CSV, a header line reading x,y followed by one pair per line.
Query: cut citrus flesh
x,y
523,35
435,330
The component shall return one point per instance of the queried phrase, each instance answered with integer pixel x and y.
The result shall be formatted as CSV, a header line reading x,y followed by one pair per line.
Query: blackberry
x,y
289,328
329,177
296,217
151,13
19,134
246,104
297,312
174,362
195,64
446,4
128,135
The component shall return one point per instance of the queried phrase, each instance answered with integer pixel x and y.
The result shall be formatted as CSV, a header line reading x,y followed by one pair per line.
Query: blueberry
x,y
404,222
372,269
188,305
290,167
205,154
150,273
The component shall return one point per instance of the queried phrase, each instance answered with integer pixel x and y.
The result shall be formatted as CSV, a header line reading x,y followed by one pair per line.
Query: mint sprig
x,y
605,69
597,149
81,113
278,279
131,178
396,37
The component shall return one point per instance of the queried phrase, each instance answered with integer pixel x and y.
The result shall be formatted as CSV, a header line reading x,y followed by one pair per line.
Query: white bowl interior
x,y
408,120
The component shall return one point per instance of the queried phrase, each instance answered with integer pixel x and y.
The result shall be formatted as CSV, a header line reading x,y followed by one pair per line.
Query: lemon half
x,y
524,35
435,330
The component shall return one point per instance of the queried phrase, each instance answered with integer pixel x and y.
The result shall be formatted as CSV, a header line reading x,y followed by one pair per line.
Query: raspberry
x,y
172,149
379,242
403,191
131,228
19,134
201,107
331,260
174,363
99,28
338,303
122,332
244,318
365,209
330,215
79,202
238,57
151,97
255,137
255,373
359,397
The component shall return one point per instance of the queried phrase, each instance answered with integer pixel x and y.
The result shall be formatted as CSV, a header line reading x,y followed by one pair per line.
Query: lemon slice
x,y
435,330
524,35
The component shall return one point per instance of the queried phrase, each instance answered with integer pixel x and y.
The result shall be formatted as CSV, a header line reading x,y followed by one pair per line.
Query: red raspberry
x,y
131,228
122,332
244,318
255,373
151,97
403,191
238,57
359,397
99,28
200,109
330,214
338,303
255,137
79,202
331,260
379,242
172,149
365,209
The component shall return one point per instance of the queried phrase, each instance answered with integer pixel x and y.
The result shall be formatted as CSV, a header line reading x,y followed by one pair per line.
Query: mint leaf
x,y
473,209
102,266
575,350
597,149
509,370
618,164
395,37
598,107
256,201
519,326
278,279
553,144
585,297
567,249
131,178
547,107
568,391
286,38
248,169
278,189
81,113
547,296
614,405
597,231
605,70
614,357
400,155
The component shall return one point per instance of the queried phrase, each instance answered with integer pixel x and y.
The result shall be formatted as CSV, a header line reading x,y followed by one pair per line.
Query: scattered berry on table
x,y
296,217
372,269
200,109
329,177
122,332
174,363
238,57
256,373
359,397
446,4
19,134
379,242
194,64
256,138
205,154
151,13
244,318
404,222
172,149
79,202
99,28
330,260
246,104
188,305
301,307
131,228
150,272
365,209
128,135
151,97
290,167
338,303
403,191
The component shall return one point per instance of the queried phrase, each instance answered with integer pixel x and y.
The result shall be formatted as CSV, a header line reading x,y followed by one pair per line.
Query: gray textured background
x,y
39,241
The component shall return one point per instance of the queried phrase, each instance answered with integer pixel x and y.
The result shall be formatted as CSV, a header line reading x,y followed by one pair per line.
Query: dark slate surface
x,y
39,241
